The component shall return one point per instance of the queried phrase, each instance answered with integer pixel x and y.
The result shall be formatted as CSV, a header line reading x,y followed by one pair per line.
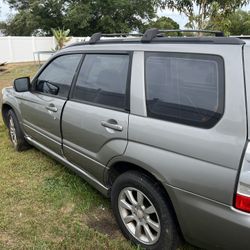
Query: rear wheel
x,y
15,132
143,213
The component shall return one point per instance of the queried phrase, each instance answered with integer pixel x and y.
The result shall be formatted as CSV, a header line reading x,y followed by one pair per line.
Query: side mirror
x,y
22,84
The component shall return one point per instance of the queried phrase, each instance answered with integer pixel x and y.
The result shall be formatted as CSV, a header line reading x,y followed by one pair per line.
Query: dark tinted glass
x,y
22,84
185,88
103,80
59,73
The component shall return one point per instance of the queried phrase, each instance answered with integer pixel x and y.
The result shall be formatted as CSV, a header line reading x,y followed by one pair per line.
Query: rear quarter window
x,y
185,88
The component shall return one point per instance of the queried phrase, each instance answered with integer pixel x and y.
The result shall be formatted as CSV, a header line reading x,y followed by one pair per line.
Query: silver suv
x,y
158,124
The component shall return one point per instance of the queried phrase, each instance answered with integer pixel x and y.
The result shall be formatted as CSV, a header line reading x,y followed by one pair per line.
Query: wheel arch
x,y
121,167
5,109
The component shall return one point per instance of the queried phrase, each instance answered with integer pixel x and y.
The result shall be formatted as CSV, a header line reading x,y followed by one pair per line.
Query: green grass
x,y
45,206
13,71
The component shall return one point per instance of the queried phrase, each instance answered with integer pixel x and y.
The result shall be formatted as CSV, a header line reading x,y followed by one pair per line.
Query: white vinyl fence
x,y
25,48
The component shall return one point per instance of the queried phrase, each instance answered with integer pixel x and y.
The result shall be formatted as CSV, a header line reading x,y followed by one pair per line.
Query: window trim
x,y
34,80
218,114
126,109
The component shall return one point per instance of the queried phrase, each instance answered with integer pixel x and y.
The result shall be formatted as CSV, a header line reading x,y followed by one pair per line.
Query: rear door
x,y
192,118
41,108
95,119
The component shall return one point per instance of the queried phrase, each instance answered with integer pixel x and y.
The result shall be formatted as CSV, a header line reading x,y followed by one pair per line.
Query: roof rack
x,y
158,36
150,34
97,36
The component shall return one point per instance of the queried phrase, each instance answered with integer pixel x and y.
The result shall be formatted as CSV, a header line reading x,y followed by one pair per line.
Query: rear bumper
x,y
210,224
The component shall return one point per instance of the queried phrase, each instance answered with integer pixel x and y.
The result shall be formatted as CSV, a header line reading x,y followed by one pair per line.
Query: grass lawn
x,y
44,205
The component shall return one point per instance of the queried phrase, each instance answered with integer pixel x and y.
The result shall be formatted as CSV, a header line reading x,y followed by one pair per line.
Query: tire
x,y
15,132
154,213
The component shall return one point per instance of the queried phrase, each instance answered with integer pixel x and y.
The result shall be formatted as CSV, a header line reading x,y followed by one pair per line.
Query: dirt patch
x,y
6,239
68,208
4,82
103,221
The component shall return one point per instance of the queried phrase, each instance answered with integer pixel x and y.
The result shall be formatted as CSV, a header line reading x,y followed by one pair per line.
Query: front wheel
x,y
15,132
143,212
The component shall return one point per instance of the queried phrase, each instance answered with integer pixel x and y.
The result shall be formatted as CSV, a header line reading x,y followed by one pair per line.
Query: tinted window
x,y
103,80
58,74
185,88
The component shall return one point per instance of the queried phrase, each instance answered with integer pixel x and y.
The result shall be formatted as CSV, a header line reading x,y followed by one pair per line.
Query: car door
x,y
95,119
42,107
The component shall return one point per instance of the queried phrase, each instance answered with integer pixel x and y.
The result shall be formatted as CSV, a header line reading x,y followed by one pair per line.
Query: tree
x,y
237,23
163,23
61,37
83,17
19,25
200,12
77,19
34,15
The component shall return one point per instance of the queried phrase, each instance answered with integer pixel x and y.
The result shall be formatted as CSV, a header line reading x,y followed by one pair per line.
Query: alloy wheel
x,y
12,128
139,215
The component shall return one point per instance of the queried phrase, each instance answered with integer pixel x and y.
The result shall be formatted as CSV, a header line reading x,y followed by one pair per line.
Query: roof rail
x,y
242,36
97,36
157,36
150,34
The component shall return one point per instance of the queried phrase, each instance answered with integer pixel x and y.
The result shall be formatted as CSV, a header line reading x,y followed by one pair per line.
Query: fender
x,y
9,98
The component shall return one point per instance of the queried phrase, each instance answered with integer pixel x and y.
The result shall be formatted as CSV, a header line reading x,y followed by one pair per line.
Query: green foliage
x,y
207,9
237,23
240,23
163,23
77,18
61,37
81,17
110,16
33,15
21,24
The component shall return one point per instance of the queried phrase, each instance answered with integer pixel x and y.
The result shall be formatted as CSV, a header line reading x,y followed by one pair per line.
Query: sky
x,y
180,19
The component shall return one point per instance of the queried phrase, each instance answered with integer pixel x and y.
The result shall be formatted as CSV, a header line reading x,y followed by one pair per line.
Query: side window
x,y
185,88
103,80
57,77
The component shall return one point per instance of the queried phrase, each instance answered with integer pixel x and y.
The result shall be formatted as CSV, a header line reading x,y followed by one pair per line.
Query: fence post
x,y
33,47
33,44
54,42
10,49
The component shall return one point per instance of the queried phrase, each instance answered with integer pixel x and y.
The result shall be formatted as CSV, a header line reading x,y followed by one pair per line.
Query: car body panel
x,y
180,171
40,123
188,157
10,98
246,59
86,141
210,224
